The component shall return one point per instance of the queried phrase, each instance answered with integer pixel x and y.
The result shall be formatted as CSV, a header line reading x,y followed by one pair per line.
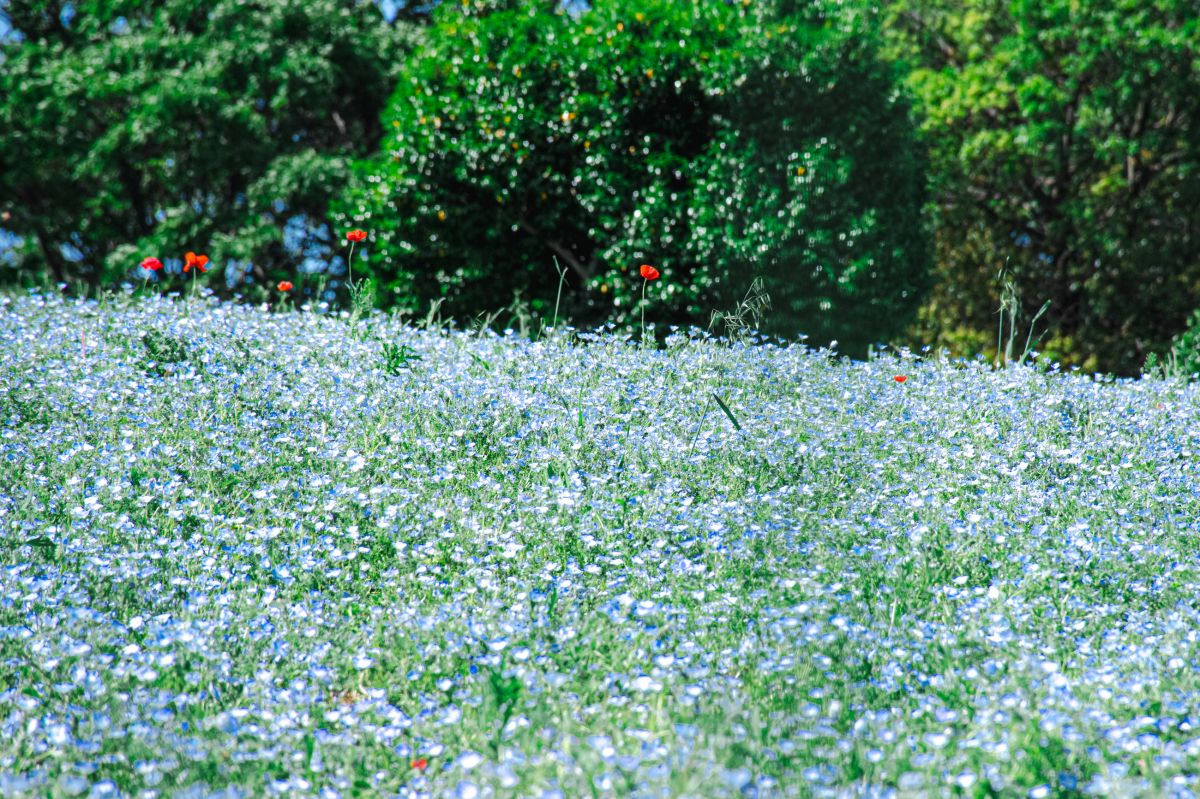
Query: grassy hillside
x,y
257,553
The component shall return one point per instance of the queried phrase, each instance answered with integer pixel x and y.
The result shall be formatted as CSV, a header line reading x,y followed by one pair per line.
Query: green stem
x,y
644,283
350,267
562,276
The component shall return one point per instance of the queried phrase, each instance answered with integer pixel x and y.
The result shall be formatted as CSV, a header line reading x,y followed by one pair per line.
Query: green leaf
x,y
728,413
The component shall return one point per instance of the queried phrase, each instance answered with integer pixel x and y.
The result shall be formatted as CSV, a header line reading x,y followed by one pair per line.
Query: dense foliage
x,y
1065,141
134,129
719,143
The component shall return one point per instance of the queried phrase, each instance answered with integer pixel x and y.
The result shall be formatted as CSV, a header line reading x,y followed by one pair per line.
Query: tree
x,y
151,128
1064,139
716,141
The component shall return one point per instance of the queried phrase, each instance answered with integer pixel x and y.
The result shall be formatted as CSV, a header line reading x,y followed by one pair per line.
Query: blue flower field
x,y
250,553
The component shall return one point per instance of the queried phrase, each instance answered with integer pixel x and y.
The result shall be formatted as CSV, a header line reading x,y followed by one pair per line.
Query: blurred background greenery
x,y
878,165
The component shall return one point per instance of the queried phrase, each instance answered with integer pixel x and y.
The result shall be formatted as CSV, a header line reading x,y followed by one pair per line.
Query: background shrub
x,y
1065,139
716,142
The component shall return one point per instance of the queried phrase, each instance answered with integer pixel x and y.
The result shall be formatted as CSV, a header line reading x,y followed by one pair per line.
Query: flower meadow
x,y
300,553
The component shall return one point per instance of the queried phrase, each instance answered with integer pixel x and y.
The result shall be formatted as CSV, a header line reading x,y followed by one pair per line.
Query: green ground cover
x,y
249,553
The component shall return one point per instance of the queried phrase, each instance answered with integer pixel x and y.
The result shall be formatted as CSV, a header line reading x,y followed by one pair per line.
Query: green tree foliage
x,y
150,128
718,142
1065,140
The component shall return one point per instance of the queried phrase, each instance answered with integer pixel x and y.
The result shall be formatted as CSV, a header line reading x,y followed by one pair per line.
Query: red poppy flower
x,y
192,260
649,272
900,378
420,763
356,235
151,263
285,286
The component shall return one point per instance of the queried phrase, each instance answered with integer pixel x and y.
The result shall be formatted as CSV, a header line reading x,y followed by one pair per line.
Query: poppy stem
x,y
350,267
644,283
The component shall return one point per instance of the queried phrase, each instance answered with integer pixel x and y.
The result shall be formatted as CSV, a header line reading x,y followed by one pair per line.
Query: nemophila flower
x,y
900,378
285,286
356,235
191,260
649,272
667,588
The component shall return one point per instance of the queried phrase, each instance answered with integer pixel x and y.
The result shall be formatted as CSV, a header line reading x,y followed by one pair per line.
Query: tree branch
x,y
943,45
584,271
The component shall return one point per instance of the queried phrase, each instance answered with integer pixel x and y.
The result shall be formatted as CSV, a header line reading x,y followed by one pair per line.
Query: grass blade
x,y
728,412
